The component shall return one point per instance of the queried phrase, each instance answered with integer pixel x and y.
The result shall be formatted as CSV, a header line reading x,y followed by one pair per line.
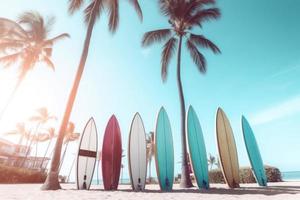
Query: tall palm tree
x,y
92,12
27,43
211,161
184,16
70,136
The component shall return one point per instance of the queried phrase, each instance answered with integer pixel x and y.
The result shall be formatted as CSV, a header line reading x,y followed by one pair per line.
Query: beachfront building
x,y
15,155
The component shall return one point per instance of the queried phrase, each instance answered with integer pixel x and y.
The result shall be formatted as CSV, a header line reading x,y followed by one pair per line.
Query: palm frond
x,y
93,10
56,39
193,6
8,60
204,15
113,9
10,45
48,62
168,52
137,8
202,41
197,57
35,24
75,5
11,29
155,36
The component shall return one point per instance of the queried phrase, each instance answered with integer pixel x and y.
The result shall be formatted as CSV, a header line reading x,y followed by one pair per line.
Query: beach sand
x,y
280,191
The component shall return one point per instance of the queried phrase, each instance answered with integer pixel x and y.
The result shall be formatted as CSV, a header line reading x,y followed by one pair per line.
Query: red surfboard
x,y
111,154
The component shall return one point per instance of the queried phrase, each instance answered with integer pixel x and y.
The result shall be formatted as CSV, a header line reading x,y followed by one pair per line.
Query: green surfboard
x,y
253,153
164,154
197,149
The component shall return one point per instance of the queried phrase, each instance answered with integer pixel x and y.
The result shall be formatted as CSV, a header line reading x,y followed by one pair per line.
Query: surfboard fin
x,y
139,184
205,184
167,182
84,183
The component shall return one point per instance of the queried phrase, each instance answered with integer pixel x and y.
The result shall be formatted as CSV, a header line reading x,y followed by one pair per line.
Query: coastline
x,y
280,190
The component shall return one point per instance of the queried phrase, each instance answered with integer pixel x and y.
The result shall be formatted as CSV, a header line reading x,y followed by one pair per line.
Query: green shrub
x,y
246,175
9,174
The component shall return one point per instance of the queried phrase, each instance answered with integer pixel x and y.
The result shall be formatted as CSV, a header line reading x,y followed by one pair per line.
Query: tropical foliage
x,y
26,42
184,16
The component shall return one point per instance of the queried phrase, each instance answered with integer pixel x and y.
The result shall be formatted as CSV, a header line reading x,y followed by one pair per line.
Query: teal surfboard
x,y
253,153
164,154
197,149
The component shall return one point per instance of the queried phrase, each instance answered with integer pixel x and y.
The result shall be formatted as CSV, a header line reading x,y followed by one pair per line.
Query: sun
x,y
34,92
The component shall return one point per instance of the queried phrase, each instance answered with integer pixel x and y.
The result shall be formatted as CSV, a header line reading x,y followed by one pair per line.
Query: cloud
x,y
279,111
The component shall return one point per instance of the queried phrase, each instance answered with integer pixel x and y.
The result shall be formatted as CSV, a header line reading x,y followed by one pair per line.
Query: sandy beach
x,y
283,190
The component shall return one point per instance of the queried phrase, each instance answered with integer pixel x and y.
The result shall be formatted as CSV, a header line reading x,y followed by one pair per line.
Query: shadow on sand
x,y
268,191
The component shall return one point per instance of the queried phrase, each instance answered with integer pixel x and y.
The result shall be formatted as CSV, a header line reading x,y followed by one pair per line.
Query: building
x,y
15,155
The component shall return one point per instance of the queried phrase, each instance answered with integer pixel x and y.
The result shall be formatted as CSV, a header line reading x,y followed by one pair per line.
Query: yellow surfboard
x,y
227,150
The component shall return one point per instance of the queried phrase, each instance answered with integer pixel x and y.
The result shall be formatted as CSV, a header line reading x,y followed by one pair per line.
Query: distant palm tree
x,y
23,132
211,161
42,117
150,151
92,12
70,136
26,43
184,15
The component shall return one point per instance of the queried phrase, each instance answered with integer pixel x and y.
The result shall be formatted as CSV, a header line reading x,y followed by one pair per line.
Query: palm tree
x,y
184,16
211,161
19,130
92,13
42,117
70,136
150,151
26,42
23,132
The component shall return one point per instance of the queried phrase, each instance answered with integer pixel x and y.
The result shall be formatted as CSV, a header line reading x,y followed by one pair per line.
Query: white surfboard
x,y
86,157
137,158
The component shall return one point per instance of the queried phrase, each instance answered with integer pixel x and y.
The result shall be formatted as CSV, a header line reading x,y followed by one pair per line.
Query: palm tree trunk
x,y
185,181
12,95
51,182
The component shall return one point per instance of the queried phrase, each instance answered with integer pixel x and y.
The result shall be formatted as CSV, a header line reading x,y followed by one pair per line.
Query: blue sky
x,y
256,75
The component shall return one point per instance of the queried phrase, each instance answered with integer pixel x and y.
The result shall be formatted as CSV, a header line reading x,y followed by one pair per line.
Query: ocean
x,y
291,176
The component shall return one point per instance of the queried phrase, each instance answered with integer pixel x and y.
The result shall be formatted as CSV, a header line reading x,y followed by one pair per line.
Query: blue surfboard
x,y
197,149
254,153
164,154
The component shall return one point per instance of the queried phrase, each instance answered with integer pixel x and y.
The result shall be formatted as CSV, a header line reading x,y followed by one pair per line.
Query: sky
x,y
257,75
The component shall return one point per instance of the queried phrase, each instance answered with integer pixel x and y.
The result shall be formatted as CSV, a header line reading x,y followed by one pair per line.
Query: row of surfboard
x,y
111,153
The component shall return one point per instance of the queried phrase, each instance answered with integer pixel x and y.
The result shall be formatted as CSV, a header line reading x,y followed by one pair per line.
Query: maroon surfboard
x,y
111,155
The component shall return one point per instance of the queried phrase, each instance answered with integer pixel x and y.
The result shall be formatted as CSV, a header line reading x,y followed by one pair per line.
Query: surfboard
x,y
137,155
254,153
197,149
227,150
164,152
86,156
111,154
